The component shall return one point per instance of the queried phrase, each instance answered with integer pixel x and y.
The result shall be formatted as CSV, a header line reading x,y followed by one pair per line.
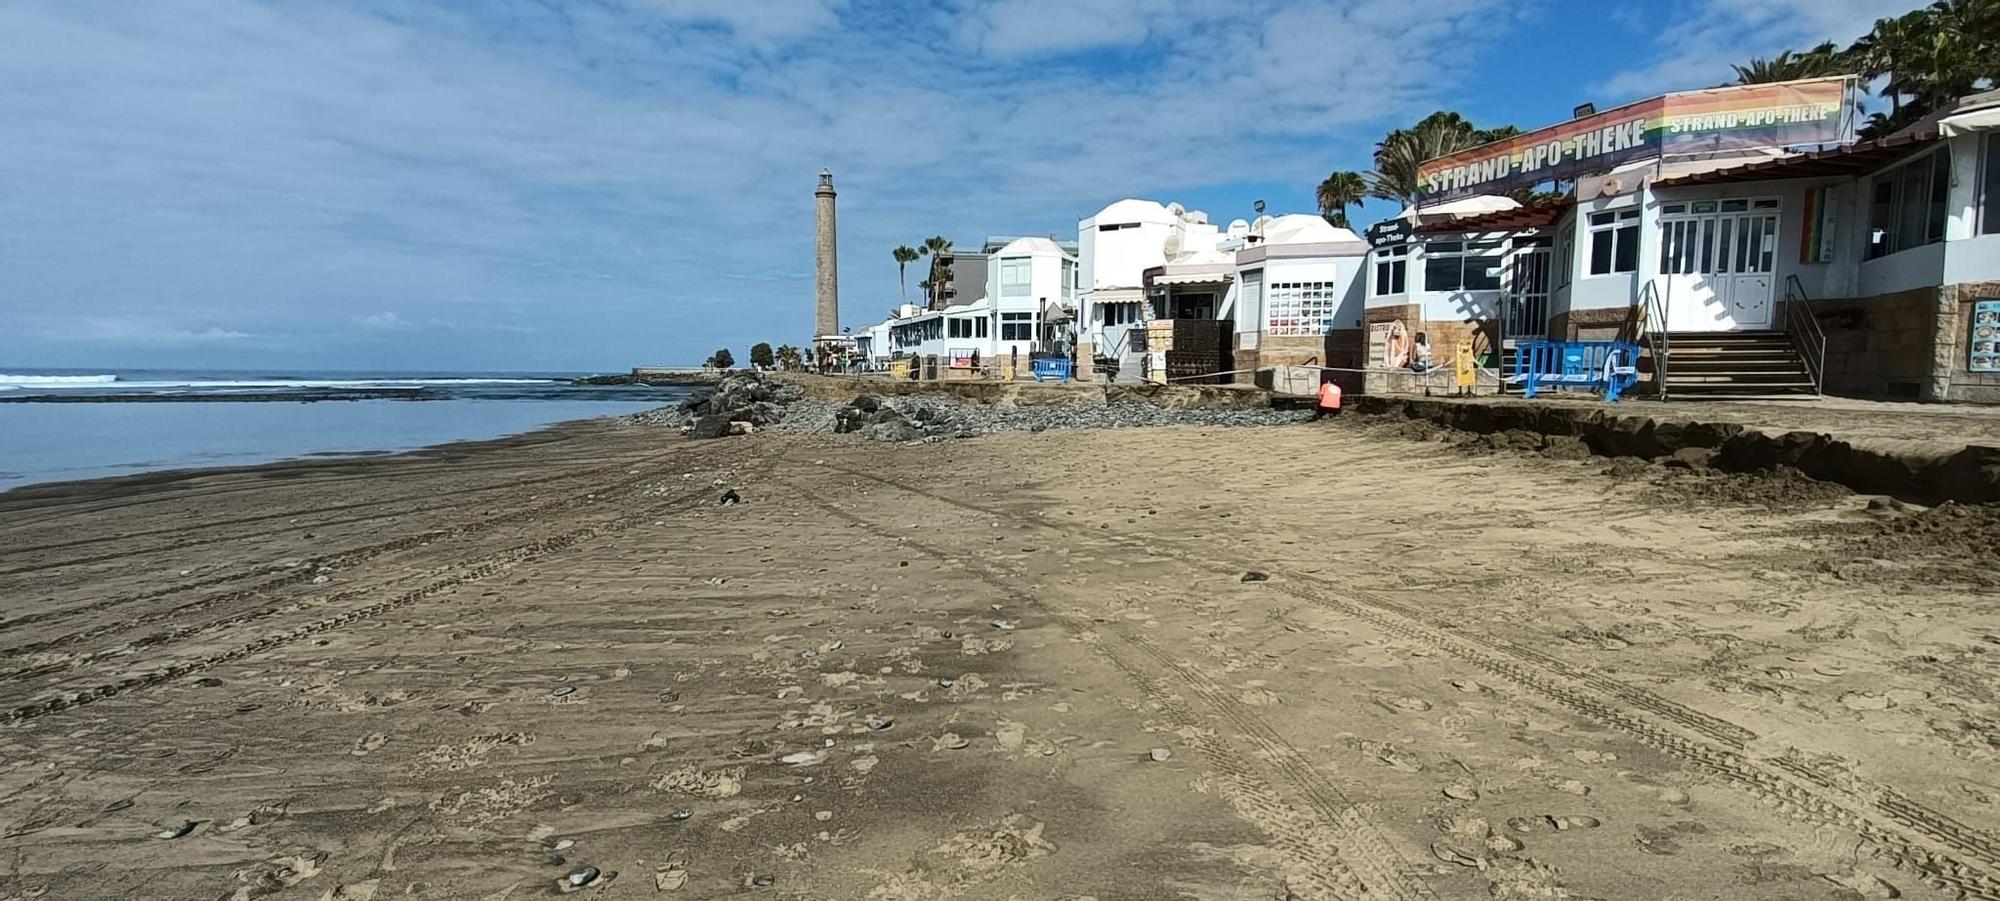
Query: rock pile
x,y
874,419
739,403
939,417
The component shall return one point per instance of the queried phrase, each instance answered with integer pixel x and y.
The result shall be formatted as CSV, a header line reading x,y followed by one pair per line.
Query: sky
x,y
548,185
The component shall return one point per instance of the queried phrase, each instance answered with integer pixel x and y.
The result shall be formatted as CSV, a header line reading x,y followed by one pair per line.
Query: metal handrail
x,y
1653,312
1804,329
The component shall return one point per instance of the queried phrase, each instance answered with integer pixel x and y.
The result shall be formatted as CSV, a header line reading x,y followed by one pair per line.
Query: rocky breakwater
x,y
737,405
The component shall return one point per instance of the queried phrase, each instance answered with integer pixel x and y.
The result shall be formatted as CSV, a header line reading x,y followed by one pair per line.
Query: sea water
x,y
72,424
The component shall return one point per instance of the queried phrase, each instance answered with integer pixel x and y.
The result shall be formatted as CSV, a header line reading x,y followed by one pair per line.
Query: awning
x,y
1967,123
1216,273
1194,278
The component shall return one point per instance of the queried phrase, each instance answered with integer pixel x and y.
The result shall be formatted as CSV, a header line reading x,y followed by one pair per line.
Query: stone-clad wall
x,y
1881,346
1954,318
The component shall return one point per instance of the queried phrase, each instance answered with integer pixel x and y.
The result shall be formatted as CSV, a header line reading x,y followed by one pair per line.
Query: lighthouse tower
x,y
826,280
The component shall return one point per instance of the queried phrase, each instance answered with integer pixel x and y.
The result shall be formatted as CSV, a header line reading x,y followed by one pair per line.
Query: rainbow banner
x,y
1744,117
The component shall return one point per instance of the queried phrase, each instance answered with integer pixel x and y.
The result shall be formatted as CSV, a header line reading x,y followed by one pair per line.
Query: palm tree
x,y
1338,192
905,255
1823,60
936,246
1402,150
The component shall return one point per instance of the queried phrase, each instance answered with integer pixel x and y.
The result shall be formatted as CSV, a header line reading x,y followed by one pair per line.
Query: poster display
x,y
1985,353
1738,117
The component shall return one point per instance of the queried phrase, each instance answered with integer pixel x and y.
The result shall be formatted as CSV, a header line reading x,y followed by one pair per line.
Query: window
x,y
1017,326
1391,265
1462,265
1118,313
1907,205
968,327
1614,240
1301,308
1068,278
1014,277
1989,191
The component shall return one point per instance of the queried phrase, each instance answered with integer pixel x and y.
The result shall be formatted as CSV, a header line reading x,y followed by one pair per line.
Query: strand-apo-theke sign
x,y
1745,117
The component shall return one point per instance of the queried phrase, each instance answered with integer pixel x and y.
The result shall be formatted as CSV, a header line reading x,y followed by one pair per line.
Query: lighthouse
x,y
826,278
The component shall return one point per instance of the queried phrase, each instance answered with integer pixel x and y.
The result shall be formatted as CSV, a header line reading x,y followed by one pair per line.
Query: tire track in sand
x,y
466,572
287,575
1940,850
1346,855
185,536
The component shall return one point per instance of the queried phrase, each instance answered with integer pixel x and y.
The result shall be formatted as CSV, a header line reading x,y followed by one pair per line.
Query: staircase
x,y
1736,364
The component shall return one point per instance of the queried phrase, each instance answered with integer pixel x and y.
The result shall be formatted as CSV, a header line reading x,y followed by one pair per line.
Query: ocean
x,y
62,424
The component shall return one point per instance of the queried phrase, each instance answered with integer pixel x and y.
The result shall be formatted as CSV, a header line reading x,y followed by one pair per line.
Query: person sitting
x,y
1421,354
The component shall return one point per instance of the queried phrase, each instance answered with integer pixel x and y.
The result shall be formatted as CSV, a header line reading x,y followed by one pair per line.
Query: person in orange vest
x,y
1329,401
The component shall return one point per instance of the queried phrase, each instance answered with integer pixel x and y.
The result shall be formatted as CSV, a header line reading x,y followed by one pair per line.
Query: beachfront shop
x,y
1740,235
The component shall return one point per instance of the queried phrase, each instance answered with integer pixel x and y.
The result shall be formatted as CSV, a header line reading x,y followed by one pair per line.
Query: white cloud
x,y
758,21
1699,50
134,331
386,322
634,179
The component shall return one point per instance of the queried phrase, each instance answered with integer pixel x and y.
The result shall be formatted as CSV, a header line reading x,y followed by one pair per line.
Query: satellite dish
x,y
1172,247
1238,228
1176,210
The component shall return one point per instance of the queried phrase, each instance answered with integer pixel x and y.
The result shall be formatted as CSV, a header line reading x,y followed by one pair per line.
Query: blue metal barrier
x,y
1053,369
1608,366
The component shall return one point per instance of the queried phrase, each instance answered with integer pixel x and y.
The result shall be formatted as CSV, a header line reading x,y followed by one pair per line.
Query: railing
x,y
1607,366
1653,331
1804,330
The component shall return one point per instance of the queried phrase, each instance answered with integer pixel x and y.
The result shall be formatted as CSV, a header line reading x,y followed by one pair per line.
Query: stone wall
x,y
1882,346
1603,324
1954,319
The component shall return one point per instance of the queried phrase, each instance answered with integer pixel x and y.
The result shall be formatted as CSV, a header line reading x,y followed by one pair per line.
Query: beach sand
x,y
1314,661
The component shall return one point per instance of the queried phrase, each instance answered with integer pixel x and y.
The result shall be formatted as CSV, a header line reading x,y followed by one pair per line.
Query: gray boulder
x,y
714,425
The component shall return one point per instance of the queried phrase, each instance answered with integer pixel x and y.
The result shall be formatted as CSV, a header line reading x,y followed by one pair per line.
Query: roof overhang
x,y
1846,162
1527,218
1196,274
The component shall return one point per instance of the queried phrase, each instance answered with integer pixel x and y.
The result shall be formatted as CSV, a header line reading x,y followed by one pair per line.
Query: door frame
x,y
1720,260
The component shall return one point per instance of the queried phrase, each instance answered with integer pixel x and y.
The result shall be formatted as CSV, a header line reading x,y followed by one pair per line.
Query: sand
x,y
1027,666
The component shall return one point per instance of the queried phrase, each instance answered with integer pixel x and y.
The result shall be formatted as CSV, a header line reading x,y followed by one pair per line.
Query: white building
x,y
1858,270
1115,249
1299,294
1030,283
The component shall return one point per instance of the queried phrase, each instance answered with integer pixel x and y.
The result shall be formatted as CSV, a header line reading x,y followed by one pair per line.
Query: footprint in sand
x,y
369,743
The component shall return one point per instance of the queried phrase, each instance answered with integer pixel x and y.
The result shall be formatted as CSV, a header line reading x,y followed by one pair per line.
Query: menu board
x,y
1985,353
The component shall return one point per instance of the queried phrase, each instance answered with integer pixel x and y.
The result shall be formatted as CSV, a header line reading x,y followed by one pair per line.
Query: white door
x,y
1717,267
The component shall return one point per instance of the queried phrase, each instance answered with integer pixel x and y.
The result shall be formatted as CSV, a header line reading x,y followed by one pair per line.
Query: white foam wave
x,y
57,382
8,380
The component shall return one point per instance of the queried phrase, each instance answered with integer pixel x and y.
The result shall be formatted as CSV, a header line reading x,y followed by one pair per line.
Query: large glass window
x,y
1016,277
1017,326
1908,205
1989,190
1614,242
1068,278
1118,313
1391,266
968,327
1463,265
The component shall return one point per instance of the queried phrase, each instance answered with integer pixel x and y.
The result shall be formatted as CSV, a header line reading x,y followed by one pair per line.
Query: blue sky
x,y
539,184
